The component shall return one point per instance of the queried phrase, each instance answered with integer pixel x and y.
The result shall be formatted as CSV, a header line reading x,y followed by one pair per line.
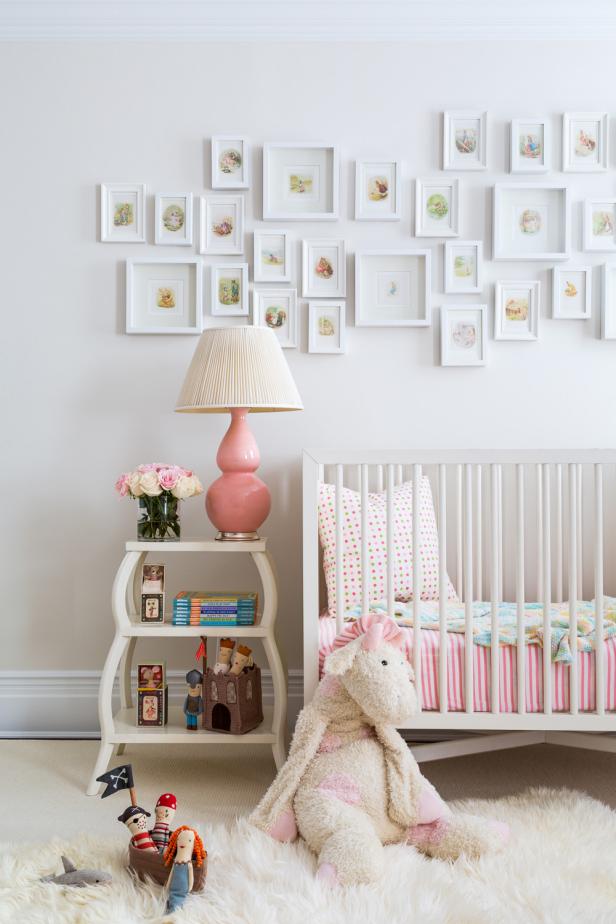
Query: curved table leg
x,y
105,709
280,700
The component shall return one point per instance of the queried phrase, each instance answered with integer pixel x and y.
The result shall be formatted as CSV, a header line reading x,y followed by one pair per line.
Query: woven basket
x,y
146,863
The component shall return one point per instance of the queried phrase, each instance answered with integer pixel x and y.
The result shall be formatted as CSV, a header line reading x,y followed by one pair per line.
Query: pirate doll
x,y
164,812
134,817
193,704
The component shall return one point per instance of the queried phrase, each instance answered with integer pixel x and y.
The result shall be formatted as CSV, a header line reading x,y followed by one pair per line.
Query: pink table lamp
x,y
238,369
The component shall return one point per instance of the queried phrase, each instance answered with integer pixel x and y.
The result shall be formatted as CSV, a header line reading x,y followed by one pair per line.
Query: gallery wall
x,y
83,401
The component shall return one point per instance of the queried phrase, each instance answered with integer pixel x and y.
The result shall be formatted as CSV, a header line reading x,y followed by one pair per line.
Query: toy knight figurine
x,y
240,659
193,704
225,650
134,818
164,812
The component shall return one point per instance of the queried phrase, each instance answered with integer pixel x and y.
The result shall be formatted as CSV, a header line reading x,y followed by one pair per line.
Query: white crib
x,y
520,526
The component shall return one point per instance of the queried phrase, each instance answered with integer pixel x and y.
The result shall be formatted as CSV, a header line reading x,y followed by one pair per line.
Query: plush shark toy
x,y
78,877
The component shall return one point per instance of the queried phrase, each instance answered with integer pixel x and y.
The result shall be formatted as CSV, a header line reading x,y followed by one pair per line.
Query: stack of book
x,y
214,608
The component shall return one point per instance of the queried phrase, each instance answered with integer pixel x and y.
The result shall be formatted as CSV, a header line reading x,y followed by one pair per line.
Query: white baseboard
x,y
64,704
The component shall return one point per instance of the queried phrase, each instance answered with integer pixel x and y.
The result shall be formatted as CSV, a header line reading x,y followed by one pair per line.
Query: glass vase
x,y
158,518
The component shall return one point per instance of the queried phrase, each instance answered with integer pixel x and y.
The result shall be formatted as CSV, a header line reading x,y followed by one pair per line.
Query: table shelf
x,y
168,630
126,731
197,545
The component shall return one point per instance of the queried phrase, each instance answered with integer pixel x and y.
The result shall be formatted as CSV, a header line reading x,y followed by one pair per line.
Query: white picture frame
x,y
221,225
465,140
230,162
323,268
516,309
600,224
437,207
572,293
326,318
393,288
463,267
225,300
123,213
608,301
464,335
530,145
378,190
272,255
585,142
164,296
173,219
301,181
277,309
530,222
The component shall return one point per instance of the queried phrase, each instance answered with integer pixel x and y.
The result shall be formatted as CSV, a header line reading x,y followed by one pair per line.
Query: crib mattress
x,y
430,647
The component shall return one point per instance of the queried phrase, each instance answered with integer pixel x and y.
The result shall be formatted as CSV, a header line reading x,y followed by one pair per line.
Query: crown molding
x,y
306,20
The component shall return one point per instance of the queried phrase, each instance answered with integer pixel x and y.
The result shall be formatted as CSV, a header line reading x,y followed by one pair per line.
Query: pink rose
x,y
150,467
121,484
168,478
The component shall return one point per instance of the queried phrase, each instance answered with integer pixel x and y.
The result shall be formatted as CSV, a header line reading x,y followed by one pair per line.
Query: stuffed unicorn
x,y
350,783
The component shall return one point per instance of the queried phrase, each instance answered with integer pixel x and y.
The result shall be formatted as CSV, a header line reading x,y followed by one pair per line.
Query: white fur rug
x,y
559,867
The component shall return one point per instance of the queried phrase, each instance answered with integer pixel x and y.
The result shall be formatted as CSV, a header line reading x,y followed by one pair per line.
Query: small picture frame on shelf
x,y
608,302
326,327
222,225
272,256
465,140
378,190
230,162
530,222
323,269
463,266
173,218
436,208
164,296
392,289
600,224
152,578
301,182
516,310
152,707
123,213
229,290
277,309
464,335
152,607
530,145
585,142
572,293
151,676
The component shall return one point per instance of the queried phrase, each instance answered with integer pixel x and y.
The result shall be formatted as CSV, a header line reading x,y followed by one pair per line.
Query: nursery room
x,y
309,469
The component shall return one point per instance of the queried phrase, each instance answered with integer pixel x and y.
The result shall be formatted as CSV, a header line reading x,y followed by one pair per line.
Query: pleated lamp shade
x,y
238,367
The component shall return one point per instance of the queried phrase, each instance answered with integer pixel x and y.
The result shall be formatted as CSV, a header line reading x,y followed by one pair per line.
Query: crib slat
x,y
501,534
580,492
478,537
379,478
365,563
416,584
539,473
599,642
468,589
459,530
573,589
443,697
494,558
339,550
547,592
390,541
399,474
558,528
519,595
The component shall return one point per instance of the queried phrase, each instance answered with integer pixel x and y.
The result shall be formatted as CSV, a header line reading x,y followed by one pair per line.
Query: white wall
x,y
82,401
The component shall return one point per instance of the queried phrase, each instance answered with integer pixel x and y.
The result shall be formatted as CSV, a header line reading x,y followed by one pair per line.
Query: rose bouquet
x,y
159,488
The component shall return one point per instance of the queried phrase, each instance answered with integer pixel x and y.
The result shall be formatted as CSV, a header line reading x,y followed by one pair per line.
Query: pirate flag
x,y
117,779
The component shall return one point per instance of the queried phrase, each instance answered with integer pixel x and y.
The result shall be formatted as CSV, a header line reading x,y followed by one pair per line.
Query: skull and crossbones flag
x,y
116,779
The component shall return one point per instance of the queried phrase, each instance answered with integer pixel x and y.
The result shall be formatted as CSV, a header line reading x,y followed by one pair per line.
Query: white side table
x,y
121,729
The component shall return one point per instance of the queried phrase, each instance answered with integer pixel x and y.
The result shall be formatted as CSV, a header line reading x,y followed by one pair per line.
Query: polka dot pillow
x,y
377,544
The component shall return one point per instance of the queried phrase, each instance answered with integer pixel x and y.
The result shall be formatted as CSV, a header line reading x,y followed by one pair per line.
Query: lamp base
x,y
237,537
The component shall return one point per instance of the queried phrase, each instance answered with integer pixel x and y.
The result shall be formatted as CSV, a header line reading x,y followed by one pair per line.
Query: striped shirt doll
x,y
134,818
165,812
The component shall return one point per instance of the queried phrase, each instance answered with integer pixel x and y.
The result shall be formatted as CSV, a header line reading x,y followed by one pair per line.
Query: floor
x,y
46,781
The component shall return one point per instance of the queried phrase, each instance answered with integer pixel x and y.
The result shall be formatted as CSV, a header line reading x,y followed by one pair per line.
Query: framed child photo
x,y
301,182
152,578
272,256
277,309
151,676
530,145
516,310
164,296
377,190
530,222
585,142
572,293
436,208
392,289
600,224
230,162
123,213
463,266
464,335
222,225
229,290
608,302
323,269
465,140
152,607
326,327
173,218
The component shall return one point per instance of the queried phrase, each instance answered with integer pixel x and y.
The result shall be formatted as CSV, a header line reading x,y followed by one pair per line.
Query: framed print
x,y
464,335
272,256
164,296
300,182
585,142
151,676
123,213
152,707
530,222
277,309
326,327
230,162
600,224
323,269
572,293
222,225
530,145
392,289
516,310
377,190
173,218
229,290
152,607
152,579
436,208
463,266
608,302
465,140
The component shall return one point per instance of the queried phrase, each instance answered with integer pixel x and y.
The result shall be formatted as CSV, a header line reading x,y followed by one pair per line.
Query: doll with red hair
x,y
185,845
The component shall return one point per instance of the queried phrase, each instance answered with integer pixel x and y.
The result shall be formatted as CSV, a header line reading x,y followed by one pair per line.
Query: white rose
x,y
149,484
186,487
134,485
